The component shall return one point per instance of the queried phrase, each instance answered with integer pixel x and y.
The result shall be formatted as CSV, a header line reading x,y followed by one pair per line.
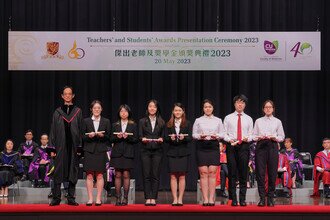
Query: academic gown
x,y
65,135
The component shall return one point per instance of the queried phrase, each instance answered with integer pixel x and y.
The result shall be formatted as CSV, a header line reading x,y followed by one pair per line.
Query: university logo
x,y
75,52
52,51
271,47
302,49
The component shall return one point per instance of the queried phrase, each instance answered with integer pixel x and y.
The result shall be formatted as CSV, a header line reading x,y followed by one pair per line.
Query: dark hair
x,y
67,87
29,130
128,109
170,123
271,102
207,101
288,139
241,97
326,139
95,102
157,106
43,134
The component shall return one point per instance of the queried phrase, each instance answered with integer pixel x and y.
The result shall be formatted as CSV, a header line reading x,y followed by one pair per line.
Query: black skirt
x,y
6,178
122,163
208,153
178,164
95,162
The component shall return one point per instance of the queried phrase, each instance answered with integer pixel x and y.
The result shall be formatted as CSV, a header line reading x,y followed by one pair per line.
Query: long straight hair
x,y
170,123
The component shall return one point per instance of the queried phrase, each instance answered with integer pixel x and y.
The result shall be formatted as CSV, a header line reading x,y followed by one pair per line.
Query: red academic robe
x,y
285,178
323,161
223,159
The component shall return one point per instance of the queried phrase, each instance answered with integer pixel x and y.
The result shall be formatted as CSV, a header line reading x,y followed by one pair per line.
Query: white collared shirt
x,y
268,126
123,126
28,143
153,122
177,124
230,126
208,125
96,123
43,147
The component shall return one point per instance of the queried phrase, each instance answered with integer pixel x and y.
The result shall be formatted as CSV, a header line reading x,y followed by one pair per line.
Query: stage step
x,y
25,189
305,191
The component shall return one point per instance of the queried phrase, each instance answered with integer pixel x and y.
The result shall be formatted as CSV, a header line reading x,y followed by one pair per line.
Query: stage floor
x,y
36,207
165,197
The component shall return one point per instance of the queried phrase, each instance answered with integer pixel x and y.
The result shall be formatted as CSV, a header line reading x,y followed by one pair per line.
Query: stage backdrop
x,y
164,51
302,98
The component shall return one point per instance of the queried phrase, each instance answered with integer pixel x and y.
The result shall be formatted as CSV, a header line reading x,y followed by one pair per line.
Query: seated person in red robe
x,y
322,169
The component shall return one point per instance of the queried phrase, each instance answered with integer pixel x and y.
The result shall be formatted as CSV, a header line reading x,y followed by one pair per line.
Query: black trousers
x,y
237,160
266,162
57,191
223,176
151,163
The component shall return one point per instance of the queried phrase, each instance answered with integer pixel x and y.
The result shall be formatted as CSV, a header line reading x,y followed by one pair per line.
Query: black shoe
x,y
50,195
89,204
223,194
66,195
261,203
205,204
124,202
234,203
211,204
55,202
179,204
242,203
327,196
287,195
73,203
153,204
118,203
270,202
98,204
23,178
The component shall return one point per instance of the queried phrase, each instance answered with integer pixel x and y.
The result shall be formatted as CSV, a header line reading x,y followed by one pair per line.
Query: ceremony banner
x,y
164,51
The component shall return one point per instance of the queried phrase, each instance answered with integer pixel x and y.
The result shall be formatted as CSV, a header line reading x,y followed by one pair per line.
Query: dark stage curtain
x,y
302,99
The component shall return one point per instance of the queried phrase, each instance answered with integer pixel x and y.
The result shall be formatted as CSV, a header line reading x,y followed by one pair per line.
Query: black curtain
x,y
302,99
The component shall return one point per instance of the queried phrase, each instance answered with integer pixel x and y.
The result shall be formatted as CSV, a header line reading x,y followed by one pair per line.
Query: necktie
x,y
239,129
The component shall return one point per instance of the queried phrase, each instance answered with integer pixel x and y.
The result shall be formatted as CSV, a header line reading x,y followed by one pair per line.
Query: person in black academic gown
x,y
65,135
96,134
26,149
124,136
10,166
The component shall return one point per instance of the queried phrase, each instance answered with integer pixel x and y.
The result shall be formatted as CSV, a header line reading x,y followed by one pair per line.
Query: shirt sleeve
x,y
280,132
195,130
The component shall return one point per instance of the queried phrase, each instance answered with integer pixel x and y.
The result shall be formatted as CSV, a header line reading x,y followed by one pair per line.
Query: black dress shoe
x,y
205,204
147,204
211,204
89,204
242,203
234,203
124,202
153,204
179,204
270,202
55,202
50,195
223,194
261,203
98,204
174,204
73,203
